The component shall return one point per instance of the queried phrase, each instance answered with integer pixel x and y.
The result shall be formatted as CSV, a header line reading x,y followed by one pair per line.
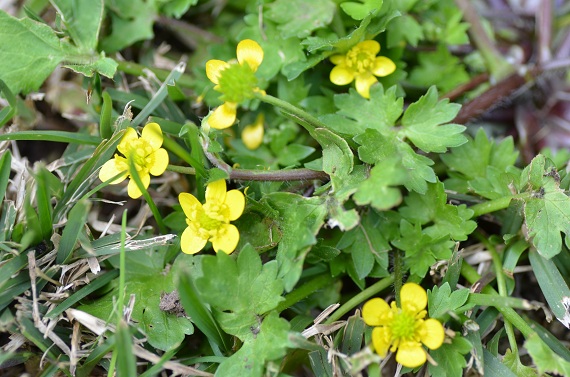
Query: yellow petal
x,y
370,46
160,161
381,340
252,135
363,84
223,116
190,205
153,135
413,298
214,69
375,312
250,52
216,192
337,59
133,189
111,168
341,75
432,333
236,203
191,242
383,66
411,354
227,239
129,136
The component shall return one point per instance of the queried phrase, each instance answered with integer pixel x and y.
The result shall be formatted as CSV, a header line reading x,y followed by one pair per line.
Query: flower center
x,y
403,326
140,152
237,83
360,60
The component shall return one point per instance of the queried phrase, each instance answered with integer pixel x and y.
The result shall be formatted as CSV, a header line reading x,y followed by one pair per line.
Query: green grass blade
x,y
95,355
70,234
200,315
5,164
82,180
553,286
160,94
9,111
105,129
83,292
43,202
126,361
60,136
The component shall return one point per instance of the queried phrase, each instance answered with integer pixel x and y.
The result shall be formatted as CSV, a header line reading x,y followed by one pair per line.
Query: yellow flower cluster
x,y
403,329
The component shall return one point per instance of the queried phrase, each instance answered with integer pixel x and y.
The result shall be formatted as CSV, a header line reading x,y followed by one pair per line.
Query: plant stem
x,y
305,290
360,298
178,150
398,274
304,118
262,175
509,314
495,204
502,286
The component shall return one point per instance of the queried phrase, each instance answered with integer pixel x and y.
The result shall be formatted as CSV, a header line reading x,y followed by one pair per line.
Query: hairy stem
x,y
261,175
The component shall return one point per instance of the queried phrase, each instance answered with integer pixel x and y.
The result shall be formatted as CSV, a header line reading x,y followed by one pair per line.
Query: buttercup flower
x,y
361,64
252,135
145,153
236,80
403,329
211,221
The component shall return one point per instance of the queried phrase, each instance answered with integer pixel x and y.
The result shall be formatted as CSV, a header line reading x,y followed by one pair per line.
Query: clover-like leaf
x,y
547,209
298,18
422,123
239,291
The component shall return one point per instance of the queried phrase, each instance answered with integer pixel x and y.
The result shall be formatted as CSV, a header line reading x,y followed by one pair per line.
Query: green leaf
x,y
82,20
102,65
5,167
362,9
378,189
450,358
481,164
298,18
356,114
265,342
544,358
421,250
147,281
131,22
375,148
553,286
494,367
432,208
299,228
29,58
441,300
547,210
439,68
177,8
367,245
239,291
513,362
422,123
404,28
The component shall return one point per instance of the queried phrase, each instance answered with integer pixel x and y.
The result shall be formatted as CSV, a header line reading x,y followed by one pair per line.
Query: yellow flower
x,y
252,135
403,329
145,153
361,64
211,221
236,80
